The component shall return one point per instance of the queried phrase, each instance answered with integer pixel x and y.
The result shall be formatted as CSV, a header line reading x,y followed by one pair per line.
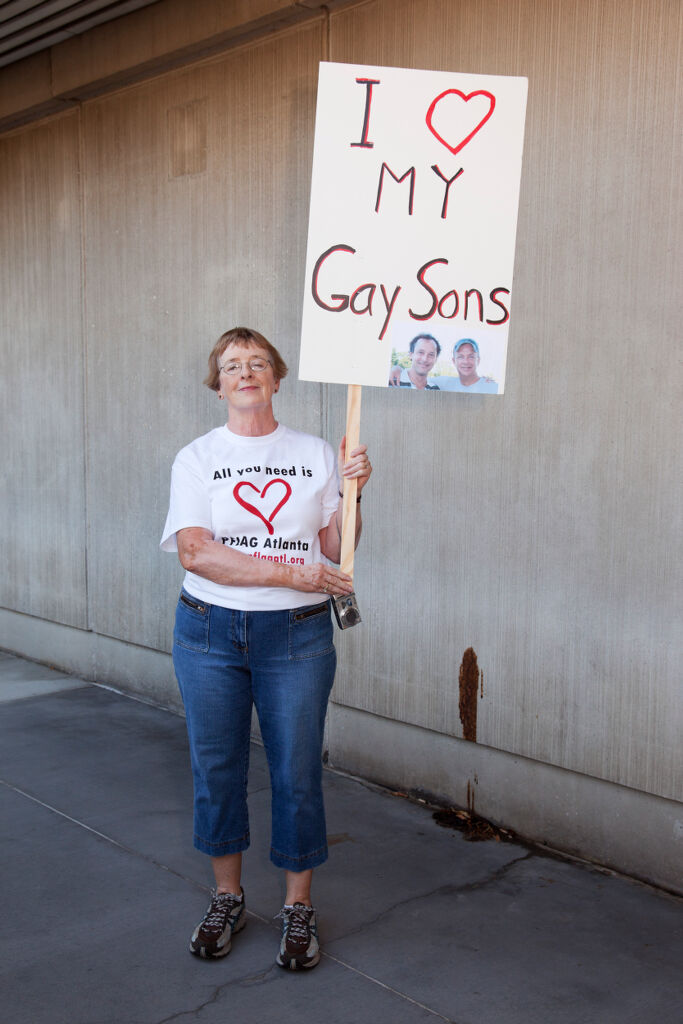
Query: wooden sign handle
x,y
348,536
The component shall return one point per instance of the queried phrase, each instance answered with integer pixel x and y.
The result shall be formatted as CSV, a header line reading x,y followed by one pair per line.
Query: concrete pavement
x,y
102,888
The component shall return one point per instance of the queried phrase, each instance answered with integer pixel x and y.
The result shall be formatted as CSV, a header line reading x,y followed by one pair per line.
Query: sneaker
x,y
299,946
226,915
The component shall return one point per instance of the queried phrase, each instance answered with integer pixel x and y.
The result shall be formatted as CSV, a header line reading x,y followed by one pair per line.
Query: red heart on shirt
x,y
452,117
261,494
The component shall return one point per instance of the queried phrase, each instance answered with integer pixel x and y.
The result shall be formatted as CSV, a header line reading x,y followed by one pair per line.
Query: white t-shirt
x,y
480,387
267,497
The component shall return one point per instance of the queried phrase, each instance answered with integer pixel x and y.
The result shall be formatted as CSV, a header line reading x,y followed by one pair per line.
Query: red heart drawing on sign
x,y
261,494
456,92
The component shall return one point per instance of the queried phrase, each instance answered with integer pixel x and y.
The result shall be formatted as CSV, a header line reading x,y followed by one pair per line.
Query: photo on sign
x,y
452,361
412,225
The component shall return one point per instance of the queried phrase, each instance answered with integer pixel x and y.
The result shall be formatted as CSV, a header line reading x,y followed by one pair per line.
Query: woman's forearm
x,y
200,554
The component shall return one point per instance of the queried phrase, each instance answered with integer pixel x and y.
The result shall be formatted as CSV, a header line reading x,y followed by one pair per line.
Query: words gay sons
x,y
413,216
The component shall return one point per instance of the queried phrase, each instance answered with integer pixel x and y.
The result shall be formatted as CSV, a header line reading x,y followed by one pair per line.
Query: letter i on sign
x,y
368,83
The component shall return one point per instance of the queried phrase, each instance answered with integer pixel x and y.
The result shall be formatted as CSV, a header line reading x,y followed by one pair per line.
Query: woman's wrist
x,y
292,577
359,496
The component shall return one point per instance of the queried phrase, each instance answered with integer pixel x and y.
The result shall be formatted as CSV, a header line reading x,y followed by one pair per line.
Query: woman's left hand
x,y
356,466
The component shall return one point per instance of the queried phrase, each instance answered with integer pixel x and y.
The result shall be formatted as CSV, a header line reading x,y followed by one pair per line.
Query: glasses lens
x,y
255,365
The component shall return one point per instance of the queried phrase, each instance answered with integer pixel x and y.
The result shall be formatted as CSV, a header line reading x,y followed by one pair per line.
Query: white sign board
x,y
412,226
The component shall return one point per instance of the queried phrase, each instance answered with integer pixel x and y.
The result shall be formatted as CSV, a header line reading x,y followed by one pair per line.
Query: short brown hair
x,y
242,336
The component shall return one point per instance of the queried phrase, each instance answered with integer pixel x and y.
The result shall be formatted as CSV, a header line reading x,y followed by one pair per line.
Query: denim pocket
x,y
310,632
192,623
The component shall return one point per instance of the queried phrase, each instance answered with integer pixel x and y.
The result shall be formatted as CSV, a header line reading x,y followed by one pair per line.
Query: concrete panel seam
x,y
82,176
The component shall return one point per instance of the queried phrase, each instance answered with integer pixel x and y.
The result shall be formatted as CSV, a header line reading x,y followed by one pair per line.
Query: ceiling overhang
x,y
27,26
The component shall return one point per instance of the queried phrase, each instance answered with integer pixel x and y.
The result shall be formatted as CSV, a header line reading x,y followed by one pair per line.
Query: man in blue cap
x,y
466,362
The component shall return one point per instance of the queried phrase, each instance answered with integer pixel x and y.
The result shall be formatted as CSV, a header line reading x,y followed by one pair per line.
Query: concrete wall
x,y
539,529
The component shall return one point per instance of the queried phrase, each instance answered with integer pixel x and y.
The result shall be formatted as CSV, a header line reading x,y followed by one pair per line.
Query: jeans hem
x,y
221,849
312,860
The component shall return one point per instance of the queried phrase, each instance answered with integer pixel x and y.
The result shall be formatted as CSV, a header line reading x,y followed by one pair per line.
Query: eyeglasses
x,y
255,365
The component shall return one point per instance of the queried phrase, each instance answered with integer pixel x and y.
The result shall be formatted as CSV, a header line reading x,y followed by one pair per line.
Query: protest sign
x,y
412,225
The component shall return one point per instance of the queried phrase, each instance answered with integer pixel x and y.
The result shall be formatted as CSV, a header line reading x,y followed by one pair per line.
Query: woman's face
x,y
247,389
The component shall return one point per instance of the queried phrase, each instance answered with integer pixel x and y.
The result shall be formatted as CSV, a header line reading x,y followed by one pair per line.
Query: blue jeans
x,y
283,662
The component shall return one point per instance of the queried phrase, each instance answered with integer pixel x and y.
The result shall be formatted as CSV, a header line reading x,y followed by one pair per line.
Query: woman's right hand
x,y
325,579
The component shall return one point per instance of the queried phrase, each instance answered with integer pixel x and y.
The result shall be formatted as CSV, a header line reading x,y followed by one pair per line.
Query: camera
x,y
346,611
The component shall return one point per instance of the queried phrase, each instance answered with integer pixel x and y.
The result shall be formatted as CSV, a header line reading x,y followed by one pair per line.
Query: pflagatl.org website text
x,y
270,542
278,558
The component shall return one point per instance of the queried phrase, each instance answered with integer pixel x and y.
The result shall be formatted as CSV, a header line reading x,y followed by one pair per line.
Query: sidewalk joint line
x,y
382,984
101,835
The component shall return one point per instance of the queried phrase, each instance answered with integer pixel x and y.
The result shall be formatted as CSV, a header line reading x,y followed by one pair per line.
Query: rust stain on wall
x,y
469,691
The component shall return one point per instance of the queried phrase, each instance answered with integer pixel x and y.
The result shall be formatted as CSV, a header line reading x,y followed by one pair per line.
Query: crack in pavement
x,y
265,976
441,890
245,980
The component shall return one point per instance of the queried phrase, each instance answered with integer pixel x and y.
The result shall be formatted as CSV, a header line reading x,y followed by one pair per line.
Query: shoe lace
x,y
221,905
297,921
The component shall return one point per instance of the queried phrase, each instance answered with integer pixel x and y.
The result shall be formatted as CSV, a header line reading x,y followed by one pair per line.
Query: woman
x,y
254,509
